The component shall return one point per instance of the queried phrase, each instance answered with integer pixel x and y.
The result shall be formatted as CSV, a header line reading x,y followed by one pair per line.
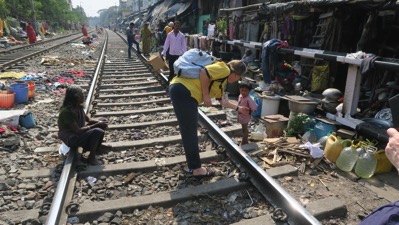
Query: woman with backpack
x,y
187,93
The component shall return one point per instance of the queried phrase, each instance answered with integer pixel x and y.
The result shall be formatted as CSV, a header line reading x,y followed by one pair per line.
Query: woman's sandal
x,y
209,172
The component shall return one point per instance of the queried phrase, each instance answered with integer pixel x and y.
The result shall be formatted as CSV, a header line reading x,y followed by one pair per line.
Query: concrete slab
x,y
327,207
17,216
250,147
264,220
90,210
286,170
46,149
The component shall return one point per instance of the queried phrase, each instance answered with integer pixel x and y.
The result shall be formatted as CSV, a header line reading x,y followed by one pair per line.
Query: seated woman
x,y
74,131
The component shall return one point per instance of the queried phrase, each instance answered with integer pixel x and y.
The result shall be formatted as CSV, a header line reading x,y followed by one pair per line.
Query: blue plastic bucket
x,y
27,121
21,92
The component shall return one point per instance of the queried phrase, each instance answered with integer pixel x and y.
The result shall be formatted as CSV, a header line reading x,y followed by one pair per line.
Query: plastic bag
x,y
63,149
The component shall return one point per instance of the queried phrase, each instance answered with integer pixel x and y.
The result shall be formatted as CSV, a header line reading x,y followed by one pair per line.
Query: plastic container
x,y
366,164
7,99
21,92
309,136
31,89
270,105
258,111
323,129
333,148
323,141
27,121
348,142
383,163
348,157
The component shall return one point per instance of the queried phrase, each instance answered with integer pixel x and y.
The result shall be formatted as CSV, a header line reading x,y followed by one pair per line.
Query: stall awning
x,y
168,9
177,9
136,20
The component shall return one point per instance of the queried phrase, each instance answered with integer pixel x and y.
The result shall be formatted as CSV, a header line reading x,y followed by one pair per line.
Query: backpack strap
x,y
221,80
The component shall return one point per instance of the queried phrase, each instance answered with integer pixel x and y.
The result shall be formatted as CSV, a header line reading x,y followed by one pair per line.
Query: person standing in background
x,y
31,33
84,30
176,44
166,30
131,39
146,38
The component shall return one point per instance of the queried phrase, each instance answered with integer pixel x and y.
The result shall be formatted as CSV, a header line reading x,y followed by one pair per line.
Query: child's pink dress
x,y
247,102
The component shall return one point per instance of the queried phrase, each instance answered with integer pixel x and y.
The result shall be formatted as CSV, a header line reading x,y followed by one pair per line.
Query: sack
x,y
320,77
189,64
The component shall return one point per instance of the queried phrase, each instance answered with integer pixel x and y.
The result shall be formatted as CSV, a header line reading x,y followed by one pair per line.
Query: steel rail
x,y
269,188
23,47
57,206
17,60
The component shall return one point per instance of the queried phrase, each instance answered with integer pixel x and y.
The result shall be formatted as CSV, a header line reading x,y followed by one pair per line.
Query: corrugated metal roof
x,y
166,10
176,9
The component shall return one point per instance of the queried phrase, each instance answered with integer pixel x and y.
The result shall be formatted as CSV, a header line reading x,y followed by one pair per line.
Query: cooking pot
x,y
306,107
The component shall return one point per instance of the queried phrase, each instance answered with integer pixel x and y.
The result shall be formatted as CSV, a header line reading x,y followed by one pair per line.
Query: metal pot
x,y
332,95
306,107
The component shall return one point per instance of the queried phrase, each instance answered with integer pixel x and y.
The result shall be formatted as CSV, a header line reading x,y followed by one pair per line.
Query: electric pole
x,y
34,16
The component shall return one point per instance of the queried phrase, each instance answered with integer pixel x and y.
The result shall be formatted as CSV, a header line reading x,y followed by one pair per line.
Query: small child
x,y
247,58
245,100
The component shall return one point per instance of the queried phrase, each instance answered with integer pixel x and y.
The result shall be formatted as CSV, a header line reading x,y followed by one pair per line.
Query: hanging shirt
x,y
211,30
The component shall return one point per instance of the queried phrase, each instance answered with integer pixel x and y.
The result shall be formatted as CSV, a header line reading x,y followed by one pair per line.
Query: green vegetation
x,y
222,25
56,12
297,124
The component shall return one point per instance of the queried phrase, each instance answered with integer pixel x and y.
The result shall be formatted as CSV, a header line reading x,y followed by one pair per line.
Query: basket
x,y
7,99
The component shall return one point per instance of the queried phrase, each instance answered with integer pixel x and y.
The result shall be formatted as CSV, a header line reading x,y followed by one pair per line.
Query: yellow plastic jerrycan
x,y
333,148
383,163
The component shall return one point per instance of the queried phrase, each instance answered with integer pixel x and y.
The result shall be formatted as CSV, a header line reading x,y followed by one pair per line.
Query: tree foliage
x,y
53,11
109,16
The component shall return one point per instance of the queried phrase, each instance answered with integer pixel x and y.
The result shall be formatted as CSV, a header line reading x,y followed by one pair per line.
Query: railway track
x,y
140,181
142,170
10,57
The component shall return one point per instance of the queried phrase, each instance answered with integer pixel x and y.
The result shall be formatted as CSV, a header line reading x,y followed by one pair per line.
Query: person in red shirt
x,y
84,30
31,33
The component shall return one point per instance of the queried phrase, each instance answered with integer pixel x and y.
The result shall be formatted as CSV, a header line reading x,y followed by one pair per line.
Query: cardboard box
x,y
275,125
157,63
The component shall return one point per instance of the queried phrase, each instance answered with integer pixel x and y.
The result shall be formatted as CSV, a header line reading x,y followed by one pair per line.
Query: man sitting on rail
x,y
74,131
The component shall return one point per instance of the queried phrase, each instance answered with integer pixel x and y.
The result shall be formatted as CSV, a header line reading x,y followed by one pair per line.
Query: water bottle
x,y
309,136
348,157
367,163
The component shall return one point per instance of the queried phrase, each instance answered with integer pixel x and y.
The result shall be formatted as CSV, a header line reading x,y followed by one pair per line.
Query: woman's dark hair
x,y
72,96
244,84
